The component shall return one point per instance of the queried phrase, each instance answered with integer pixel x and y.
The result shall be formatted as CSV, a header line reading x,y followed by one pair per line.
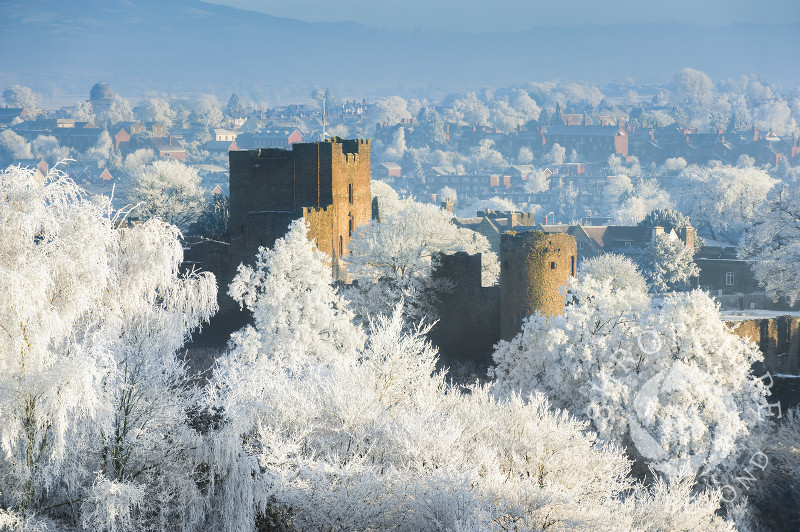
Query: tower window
x,y
341,245
552,265
350,227
350,192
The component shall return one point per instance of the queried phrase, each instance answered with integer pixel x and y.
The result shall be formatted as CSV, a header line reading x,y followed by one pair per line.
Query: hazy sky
x,y
514,15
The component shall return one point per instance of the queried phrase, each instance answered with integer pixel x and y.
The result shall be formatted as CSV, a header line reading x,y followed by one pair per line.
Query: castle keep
x,y
327,183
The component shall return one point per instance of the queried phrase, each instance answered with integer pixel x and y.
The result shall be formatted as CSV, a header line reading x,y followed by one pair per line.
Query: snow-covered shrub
x,y
671,382
374,438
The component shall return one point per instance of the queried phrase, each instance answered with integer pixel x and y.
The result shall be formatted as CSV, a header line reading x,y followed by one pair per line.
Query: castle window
x,y
729,279
580,246
341,245
350,192
350,227
552,265
572,265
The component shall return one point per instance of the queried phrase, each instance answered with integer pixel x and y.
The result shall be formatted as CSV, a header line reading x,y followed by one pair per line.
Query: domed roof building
x,y
101,92
101,97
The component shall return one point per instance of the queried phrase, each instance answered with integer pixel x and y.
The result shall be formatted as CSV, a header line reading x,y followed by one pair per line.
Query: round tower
x,y
534,265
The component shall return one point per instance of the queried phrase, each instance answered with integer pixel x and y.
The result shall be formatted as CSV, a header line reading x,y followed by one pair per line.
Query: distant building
x,y
386,170
100,96
270,138
168,147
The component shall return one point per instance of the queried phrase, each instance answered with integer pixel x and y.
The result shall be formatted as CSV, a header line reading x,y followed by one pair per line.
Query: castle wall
x,y
261,180
533,267
777,338
469,314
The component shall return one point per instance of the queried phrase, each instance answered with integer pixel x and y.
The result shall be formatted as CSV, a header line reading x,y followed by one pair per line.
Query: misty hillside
x,y
181,45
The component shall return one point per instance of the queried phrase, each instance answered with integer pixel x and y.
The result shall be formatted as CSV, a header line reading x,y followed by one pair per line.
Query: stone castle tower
x,y
534,265
327,183
472,318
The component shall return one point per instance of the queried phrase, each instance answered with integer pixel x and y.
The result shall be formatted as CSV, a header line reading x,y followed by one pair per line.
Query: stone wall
x,y
777,338
469,314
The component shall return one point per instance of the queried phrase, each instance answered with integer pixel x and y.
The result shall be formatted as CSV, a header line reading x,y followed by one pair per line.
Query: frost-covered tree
x,y
485,157
557,154
207,112
169,190
723,199
619,187
647,196
525,155
235,108
137,159
22,97
538,181
692,94
155,109
391,110
668,264
745,161
101,153
375,438
396,150
93,408
467,109
388,199
118,111
13,147
392,259
670,381
776,116
772,243
47,146
669,219
294,305
430,127
567,200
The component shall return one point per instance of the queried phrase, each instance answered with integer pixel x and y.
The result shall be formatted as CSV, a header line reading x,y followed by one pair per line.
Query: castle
x,y
327,183
472,318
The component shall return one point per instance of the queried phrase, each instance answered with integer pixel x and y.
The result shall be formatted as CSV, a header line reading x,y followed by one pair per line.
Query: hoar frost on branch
x,y
93,401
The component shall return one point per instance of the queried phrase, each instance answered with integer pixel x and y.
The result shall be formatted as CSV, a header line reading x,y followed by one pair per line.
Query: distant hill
x,y
63,47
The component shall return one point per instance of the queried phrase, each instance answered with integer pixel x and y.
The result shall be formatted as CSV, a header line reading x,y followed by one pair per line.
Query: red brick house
x,y
168,147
